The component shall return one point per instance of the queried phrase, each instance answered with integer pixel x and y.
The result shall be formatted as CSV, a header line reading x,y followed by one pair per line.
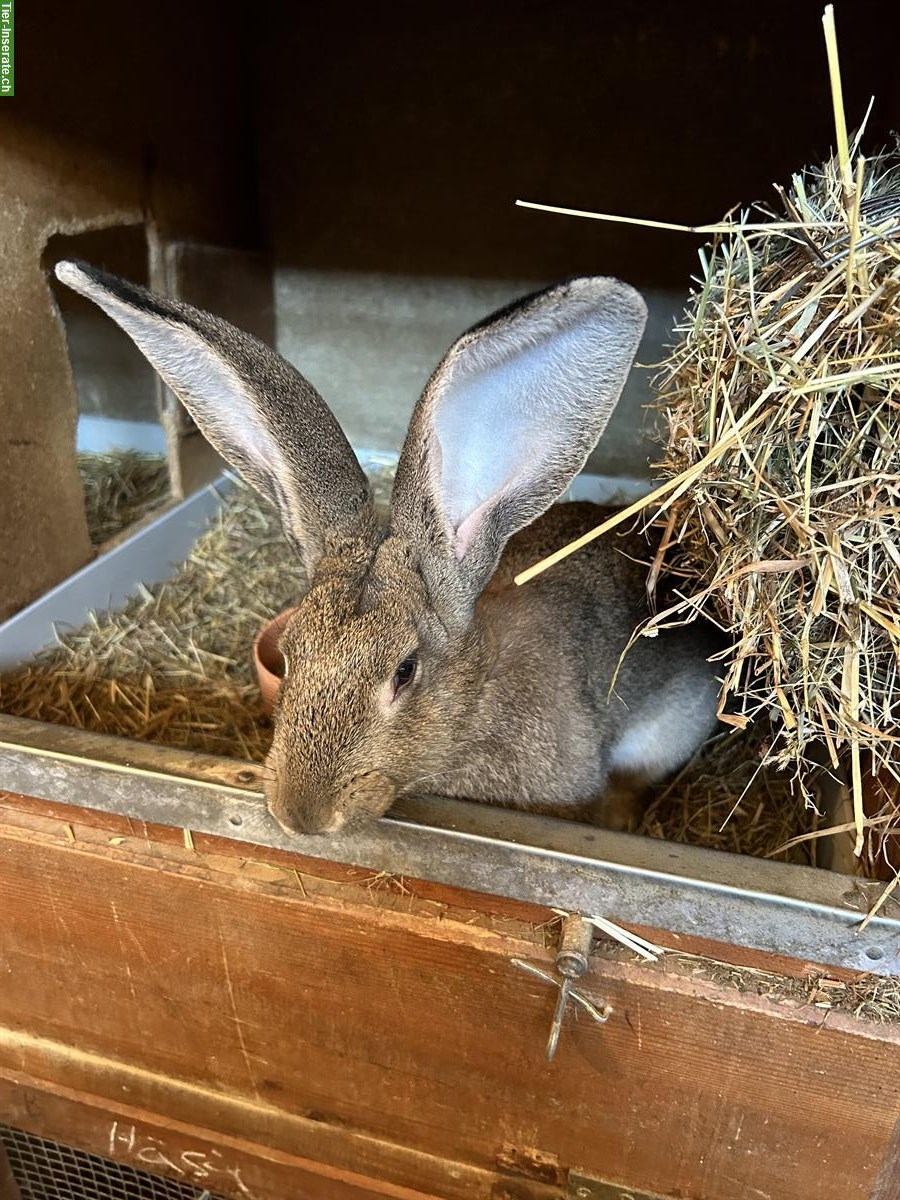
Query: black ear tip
x,y
103,288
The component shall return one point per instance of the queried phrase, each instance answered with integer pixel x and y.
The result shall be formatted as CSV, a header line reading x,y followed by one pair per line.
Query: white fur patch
x,y
666,730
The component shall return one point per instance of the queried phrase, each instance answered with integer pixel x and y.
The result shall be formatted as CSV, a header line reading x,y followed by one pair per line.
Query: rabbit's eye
x,y
405,673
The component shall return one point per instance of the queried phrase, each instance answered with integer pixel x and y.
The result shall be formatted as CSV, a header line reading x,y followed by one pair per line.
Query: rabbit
x,y
414,663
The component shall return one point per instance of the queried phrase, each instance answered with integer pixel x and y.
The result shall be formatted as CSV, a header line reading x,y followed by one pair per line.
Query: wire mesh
x,y
46,1170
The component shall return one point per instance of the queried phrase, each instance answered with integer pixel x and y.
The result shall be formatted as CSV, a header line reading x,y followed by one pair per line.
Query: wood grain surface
x,y
374,1033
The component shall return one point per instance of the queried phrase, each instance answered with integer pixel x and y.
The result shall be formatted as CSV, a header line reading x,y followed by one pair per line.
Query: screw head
x,y
571,964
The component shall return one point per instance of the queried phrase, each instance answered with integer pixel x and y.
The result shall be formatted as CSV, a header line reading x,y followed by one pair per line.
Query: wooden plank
x,y
90,824
415,1030
88,827
233,1134
887,1185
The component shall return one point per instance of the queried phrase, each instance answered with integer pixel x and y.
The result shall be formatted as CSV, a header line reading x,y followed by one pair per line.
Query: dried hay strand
x,y
785,384
120,488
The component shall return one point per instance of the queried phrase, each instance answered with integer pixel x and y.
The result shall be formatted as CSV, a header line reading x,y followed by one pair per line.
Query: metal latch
x,y
581,1186
572,961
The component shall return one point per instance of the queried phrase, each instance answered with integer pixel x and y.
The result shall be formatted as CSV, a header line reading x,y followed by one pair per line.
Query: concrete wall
x,y
145,129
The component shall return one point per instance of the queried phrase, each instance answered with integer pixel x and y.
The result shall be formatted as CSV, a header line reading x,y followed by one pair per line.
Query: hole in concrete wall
x,y
120,440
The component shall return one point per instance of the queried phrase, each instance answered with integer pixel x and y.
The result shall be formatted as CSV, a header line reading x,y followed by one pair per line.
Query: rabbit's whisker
x,y
429,778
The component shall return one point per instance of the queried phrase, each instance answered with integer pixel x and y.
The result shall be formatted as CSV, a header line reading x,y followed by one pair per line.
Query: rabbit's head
x,y
385,656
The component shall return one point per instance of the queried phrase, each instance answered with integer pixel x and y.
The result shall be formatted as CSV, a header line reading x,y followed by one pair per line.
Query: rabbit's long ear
x,y
259,413
507,421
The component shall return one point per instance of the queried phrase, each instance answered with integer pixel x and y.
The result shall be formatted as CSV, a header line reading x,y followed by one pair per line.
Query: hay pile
x,y
120,488
783,407
779,503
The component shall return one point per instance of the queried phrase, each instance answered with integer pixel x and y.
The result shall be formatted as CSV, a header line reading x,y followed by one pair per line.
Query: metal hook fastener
x,y
572,961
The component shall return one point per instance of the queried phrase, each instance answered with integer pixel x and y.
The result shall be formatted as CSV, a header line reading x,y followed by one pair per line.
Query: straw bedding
x,y
173,665
120,488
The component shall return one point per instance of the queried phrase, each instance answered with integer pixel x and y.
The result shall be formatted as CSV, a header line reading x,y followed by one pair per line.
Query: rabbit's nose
x,y
300,817
296,812
294,822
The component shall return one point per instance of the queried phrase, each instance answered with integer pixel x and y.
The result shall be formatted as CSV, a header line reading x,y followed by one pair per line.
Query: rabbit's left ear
x,y
260,414
507,421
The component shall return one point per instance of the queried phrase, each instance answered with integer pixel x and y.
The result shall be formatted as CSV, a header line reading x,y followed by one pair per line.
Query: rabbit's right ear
x,y
258,411
505,424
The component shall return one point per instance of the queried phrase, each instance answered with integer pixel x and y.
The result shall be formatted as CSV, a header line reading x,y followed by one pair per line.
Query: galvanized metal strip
x,y
775,907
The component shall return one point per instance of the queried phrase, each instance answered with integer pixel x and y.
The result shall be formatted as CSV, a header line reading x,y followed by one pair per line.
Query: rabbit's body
x,y
414,662
613,724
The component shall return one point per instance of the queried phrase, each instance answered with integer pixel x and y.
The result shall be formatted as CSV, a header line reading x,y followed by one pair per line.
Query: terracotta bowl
x,y
268,660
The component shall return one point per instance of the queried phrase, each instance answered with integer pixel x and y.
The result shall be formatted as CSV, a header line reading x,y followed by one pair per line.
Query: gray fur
x,y
510,699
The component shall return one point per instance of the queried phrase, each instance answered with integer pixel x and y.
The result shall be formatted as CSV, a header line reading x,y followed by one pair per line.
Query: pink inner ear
x,y
467,530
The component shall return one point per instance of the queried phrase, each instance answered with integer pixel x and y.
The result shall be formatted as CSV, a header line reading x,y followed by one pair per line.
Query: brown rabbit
x,y
414,663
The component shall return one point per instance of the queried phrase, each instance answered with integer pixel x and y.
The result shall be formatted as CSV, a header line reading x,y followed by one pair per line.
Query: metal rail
x,y
781,908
